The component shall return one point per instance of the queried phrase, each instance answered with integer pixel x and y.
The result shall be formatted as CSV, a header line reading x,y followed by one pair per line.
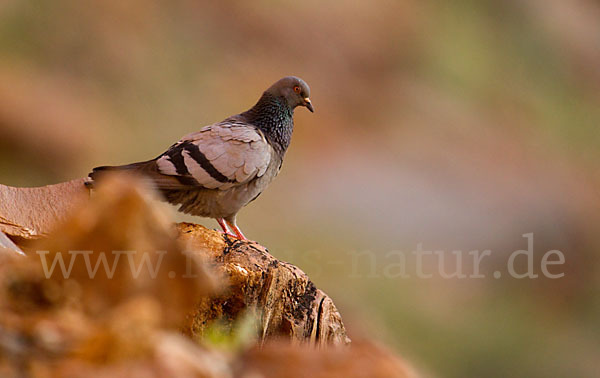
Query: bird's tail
x,y
139,168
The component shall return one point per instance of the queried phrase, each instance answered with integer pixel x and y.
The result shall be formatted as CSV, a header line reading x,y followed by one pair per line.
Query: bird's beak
x,y
308,105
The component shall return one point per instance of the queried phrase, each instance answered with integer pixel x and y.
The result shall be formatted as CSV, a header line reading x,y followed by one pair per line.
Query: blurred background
x,y
459,126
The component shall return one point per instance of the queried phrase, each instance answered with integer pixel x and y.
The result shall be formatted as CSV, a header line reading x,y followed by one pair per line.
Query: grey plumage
x,y
221,168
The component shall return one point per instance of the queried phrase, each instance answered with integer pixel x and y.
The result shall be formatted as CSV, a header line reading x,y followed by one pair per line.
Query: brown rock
x,y
100,308
31,213
287,302
129,323
361,359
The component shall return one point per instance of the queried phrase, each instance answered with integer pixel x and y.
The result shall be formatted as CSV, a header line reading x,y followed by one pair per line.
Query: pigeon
x,y
218,170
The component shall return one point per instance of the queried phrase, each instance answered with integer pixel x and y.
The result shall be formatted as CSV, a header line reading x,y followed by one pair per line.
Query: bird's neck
x,y
274,117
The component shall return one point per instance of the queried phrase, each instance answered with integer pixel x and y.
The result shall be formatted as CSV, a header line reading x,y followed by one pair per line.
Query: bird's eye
x,y
297,89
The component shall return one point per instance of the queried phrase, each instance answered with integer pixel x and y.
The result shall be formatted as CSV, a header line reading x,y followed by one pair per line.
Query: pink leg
x,y
236,230
223,225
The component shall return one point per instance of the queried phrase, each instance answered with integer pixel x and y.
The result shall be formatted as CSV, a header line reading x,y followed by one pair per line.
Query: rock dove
x,y
221,168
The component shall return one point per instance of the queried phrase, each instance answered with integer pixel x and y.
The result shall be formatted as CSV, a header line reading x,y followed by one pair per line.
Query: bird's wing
x,y
217,157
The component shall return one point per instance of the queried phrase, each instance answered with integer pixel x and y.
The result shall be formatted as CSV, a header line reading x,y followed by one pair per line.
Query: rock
x,y
30,213
97,310
68,321
286,300
362,359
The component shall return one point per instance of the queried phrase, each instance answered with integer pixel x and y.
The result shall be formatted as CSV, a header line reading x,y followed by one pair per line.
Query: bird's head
x,y
294,90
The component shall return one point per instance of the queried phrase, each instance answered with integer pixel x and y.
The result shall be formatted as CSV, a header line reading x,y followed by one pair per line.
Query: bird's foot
x,y
228,233
236,230
223,225
226,226
240,235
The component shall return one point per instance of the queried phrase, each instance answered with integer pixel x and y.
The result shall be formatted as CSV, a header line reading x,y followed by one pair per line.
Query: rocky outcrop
x,y
286,301
117,289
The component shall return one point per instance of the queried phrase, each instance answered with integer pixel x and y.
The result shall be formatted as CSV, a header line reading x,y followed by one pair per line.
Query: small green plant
x,y
232,335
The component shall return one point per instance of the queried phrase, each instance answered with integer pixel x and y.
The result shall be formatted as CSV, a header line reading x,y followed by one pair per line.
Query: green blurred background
x,y
458,125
